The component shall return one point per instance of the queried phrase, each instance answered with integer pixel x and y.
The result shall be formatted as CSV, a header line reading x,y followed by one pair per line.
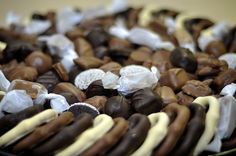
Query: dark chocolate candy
x,y
96,89
184,58
145,101
117,106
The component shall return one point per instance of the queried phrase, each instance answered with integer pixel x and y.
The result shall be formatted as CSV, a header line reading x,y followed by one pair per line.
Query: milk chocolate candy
x,y
98,37
87,62
216,48
183,58
167,94
79,108
139,56
145,101
98,102
70,92
49,80
23,73
161,60
74,34
101,52
117,106
65,137
226,77
184,99
83,48
42,62
96,88
61,71
116,43
113,67
196,88
9,121
174,78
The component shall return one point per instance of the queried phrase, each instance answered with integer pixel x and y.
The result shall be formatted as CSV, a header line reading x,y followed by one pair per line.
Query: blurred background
x,y
217,10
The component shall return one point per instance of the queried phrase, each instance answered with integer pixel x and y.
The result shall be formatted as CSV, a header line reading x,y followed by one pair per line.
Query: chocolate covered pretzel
x,y
109,139
138,129
65,137
43,132
193,132
181,115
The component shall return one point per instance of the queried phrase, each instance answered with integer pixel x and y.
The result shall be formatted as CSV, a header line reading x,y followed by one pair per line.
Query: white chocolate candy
x,y
85,78
157,132
102,124
26,126
212,119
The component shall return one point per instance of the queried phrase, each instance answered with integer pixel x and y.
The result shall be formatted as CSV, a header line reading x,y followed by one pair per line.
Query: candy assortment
x,y
96,82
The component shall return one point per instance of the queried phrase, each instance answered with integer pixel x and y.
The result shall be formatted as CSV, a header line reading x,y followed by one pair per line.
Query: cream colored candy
x,y
159,128
27,126
212,119
101,125
2,46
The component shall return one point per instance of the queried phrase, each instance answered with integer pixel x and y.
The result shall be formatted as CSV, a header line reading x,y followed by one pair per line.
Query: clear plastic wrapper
x,y
136,77
12,18
230,89
110,80
57,102
4,83
15,101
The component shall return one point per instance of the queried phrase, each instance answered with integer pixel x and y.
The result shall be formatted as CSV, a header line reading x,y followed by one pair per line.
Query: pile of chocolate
x,y
99,83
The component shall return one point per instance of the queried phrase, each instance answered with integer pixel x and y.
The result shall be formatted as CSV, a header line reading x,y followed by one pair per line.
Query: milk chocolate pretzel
x,y
212,118
65,137
176,128
193,132
26,126
101,125
138,129
43,132
9,121
110,139
156,133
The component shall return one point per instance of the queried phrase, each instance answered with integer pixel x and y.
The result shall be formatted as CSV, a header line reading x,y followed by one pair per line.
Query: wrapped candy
x,y
61,46
141,36
134,77
110,80
57,102
13,18
37,26
230,59
15,101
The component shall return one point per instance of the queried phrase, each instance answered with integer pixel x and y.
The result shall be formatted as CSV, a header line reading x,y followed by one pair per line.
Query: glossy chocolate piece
x,y
97,101
135,136
49,80
23,73
75,70
113,67
117,106
167,95
96,88
174,78
184,58
83,48
161,59
145,101
88,62
224,78
216,48
70,92
61,71
184,99
196,88
42,62
11,120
